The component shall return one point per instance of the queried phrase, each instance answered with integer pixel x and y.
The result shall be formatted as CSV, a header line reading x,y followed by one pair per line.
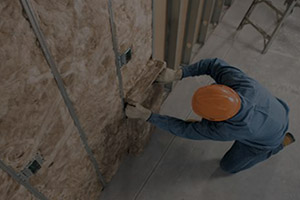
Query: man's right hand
x,y
169,75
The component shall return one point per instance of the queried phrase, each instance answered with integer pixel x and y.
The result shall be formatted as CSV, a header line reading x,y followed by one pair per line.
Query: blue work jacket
x,y
261,122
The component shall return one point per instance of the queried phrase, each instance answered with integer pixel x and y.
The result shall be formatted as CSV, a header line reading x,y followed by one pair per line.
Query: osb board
x,y
133,21
34,117
10,189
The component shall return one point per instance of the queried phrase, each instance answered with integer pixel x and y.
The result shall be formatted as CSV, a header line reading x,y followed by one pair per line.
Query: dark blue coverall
x,y
258,129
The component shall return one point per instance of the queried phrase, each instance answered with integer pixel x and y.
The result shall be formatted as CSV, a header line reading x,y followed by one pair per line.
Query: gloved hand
x,y
137,111
169,75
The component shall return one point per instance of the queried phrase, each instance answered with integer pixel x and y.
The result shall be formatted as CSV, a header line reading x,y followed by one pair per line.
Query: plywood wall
x,y
33,115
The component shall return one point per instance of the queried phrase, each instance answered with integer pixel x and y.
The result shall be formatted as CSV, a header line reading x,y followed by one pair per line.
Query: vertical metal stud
x,y
176,19
206,18
217,12
159,17
184,4
192,20
173,10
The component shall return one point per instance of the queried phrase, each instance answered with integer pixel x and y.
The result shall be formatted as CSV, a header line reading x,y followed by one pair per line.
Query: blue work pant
x,y
241,156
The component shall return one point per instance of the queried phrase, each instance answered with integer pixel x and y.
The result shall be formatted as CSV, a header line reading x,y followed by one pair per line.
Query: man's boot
x,y
288,139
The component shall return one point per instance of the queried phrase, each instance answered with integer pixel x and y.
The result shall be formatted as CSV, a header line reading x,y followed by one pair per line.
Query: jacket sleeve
x,y
219,70
204,130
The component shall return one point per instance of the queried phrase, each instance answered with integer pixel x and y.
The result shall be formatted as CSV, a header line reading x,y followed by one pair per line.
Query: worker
x,y
235,108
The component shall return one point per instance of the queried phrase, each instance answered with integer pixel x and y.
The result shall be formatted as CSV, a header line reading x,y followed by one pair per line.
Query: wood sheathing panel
x,y
33,116
35,119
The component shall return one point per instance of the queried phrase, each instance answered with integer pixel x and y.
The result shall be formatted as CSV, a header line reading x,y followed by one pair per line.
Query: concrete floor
x,y
173,168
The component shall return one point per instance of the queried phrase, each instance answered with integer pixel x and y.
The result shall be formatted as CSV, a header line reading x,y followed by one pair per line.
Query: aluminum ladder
x,y
281,17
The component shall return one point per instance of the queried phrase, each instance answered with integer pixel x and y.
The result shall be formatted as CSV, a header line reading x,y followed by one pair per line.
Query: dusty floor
x,y
173,168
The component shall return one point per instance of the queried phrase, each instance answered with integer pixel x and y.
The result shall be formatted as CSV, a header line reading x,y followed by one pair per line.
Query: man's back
x,y
265,116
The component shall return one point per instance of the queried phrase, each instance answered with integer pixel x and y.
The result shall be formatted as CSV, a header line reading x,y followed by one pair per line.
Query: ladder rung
x,y
273,7
259,29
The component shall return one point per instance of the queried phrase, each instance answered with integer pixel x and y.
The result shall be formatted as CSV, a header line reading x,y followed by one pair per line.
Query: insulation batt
x,y
33,116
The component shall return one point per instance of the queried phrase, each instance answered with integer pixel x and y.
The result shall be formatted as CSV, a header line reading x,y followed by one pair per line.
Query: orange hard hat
x,y
216,102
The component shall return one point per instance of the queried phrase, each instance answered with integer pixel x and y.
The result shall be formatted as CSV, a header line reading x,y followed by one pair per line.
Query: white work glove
x,y
137,111
169,75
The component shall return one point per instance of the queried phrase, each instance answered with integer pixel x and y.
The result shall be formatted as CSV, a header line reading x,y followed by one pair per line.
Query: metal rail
x,y
117,54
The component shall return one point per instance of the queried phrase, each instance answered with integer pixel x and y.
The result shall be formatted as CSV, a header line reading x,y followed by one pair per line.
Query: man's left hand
x,y
137,111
